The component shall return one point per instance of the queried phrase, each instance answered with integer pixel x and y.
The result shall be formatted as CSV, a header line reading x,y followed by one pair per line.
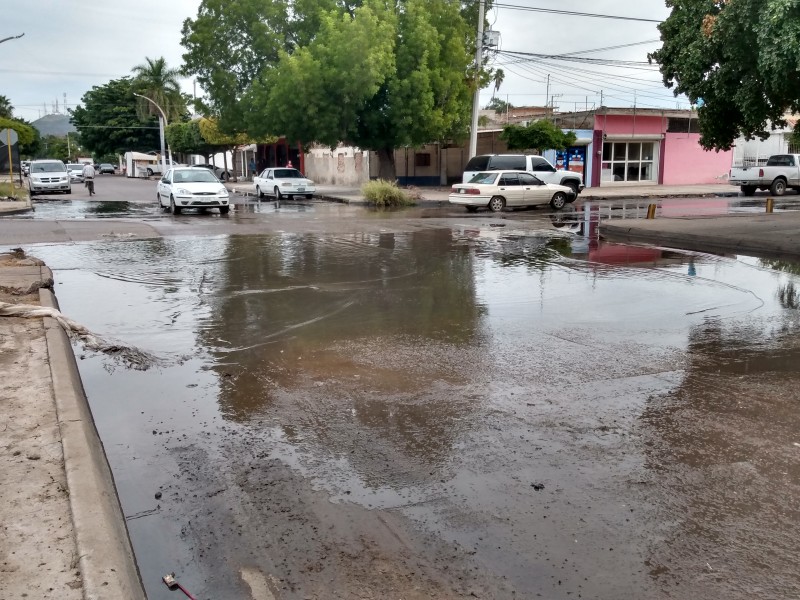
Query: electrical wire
x,y
573,13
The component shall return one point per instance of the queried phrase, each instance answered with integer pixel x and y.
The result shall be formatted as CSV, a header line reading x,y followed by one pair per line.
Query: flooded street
x,y
451,409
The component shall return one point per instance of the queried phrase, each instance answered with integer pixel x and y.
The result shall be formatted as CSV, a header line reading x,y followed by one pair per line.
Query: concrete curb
x,y
706,241
107,564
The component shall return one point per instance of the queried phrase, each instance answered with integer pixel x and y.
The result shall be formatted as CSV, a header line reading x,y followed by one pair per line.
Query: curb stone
x,y
107,564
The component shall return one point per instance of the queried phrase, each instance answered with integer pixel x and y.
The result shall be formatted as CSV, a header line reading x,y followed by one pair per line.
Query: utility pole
x,y
476,101
547,96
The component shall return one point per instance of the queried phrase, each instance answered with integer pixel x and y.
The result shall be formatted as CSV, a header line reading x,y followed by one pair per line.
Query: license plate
x,y
301,189
462,191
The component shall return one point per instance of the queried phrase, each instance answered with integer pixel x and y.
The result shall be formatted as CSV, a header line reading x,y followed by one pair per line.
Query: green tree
x,y
25,132
497,79
6,110
185,137
229,44
538,135
108,122
55,146
377,78
737,60
155,80
499,106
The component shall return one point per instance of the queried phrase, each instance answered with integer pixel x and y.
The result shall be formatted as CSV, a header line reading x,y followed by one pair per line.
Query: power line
x,y
573,13
611,47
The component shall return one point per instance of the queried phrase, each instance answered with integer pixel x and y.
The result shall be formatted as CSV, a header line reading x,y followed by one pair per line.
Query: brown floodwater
x,y
464,411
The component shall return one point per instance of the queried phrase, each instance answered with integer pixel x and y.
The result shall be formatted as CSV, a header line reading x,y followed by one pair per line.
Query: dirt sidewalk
x,y
62,534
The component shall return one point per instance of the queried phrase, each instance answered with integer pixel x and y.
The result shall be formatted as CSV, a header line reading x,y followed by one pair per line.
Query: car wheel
x,y
309,196
173,208
472,209
259,193
224,210
497,203
778,187
748,190
573,185
558,200
278,195
149,172
69,191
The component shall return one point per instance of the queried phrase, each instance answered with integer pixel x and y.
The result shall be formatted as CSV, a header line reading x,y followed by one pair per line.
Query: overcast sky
x,y
71,45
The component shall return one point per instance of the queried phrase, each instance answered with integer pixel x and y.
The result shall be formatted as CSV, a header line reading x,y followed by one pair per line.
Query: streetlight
x,y
162,122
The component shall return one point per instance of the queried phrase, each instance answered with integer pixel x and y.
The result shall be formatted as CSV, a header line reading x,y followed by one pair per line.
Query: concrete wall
x,y
686,162
343,166
623,125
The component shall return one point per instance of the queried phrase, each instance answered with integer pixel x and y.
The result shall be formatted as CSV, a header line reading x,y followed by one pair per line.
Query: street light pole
x,y
476,100
162,122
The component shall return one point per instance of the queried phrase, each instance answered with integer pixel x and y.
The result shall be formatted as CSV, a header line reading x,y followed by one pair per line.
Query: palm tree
x,y
497,78
158,82
6,110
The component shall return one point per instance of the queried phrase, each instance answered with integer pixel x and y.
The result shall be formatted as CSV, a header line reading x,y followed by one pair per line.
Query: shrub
x,y
382,193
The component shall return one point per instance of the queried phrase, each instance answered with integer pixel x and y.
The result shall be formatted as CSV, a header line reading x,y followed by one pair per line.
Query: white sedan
x,y
283,181
192,187
497,190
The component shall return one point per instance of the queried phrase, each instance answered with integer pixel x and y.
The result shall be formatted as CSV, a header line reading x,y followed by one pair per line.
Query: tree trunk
x,y
386,168
234,169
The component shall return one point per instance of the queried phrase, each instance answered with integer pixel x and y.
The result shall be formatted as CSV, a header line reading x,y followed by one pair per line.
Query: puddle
x,y
539,411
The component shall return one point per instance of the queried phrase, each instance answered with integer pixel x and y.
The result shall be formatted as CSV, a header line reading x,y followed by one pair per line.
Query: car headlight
x,y
223,191
184,191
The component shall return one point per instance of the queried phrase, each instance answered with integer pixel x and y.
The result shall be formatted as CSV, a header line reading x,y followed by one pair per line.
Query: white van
x,y
532,163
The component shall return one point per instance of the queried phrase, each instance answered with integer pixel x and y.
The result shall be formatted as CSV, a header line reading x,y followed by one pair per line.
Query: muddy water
x,y
455,412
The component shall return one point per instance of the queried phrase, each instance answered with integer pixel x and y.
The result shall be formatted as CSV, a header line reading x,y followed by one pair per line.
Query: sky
x,y
69,46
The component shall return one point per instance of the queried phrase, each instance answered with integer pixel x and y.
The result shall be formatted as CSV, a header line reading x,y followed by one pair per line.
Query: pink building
x,y
635,146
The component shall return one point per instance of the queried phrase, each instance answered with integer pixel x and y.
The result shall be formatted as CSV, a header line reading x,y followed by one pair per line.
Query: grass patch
x,y
7,189
383,194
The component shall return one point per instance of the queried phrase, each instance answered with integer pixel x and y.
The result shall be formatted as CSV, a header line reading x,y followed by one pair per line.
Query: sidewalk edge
x,y
107,564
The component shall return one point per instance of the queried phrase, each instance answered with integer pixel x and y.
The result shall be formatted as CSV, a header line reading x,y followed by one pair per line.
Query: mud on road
x,y
461,411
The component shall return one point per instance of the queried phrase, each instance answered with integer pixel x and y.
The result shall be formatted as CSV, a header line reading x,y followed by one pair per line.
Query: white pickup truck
x,y
782,171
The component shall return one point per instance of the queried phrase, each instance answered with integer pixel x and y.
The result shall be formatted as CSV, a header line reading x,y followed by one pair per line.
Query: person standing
x,y
88,178
252,167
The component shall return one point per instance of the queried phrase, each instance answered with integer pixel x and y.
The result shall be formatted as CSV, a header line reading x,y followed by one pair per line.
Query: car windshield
x,y
107,166
48,167
288,174
487,178
75,167
194,176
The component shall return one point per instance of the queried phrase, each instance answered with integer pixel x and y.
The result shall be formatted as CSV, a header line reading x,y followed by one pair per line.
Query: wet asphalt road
x,y
350,404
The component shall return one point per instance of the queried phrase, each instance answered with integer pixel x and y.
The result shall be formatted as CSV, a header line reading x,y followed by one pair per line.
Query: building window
x,y
628,161
422,160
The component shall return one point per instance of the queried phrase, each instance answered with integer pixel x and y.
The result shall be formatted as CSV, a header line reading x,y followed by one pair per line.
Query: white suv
x,y
48,176
532,163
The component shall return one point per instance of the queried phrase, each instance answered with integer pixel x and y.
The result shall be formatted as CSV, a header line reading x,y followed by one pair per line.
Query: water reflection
x,y
721,448
439,373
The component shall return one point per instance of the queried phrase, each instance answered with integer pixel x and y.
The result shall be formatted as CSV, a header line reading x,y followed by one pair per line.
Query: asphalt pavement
x,y
100,534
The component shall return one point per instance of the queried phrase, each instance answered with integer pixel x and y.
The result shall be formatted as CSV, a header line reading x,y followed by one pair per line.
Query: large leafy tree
x,y
155,80
537,135
374,73
108,122
737,60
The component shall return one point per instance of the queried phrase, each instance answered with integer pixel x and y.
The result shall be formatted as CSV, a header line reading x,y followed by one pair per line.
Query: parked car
x,y
497,190
192,187
75,172
48,176
283,181
104,168
25,165
221,173
782,171
533,164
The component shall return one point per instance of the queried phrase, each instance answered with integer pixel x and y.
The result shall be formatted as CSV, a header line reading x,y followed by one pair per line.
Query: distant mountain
x,y
54,125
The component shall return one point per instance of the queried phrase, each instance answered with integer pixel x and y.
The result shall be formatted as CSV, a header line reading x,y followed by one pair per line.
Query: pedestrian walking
x,y
88,178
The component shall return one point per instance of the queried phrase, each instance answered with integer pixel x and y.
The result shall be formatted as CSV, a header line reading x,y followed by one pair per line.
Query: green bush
x,y
382,193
